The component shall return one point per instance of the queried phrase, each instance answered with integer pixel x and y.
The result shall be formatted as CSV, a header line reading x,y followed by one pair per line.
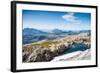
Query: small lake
x,y
77,47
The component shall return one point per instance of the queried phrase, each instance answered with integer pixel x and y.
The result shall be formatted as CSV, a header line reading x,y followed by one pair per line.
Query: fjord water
x,y
77,47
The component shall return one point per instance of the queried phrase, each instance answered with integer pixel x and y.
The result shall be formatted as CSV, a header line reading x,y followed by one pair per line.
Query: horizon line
x,y
55,28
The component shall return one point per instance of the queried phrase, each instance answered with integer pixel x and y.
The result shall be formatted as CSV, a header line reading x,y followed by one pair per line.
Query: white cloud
x,y
73,22
70,17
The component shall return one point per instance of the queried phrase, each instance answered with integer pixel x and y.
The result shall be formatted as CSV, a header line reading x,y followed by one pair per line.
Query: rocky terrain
x,y
79,55
47,50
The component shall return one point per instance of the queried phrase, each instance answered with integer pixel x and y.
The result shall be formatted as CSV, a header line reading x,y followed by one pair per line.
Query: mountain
x,y
84,31
32,35
32,31
62,32
58,31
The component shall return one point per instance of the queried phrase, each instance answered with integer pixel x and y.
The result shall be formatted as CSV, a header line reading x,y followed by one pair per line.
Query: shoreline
x,y
78,55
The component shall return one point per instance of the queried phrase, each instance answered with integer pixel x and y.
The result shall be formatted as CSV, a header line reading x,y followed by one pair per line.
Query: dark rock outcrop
x,y
25,55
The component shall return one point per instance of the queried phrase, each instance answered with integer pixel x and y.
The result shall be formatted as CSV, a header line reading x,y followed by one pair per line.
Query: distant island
x,y
42,46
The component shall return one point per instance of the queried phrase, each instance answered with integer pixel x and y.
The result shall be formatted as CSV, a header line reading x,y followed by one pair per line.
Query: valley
x,y
55,44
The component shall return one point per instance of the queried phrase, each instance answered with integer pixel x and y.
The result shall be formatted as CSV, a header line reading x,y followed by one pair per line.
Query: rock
x,y
38,52
40,55
60,49
25,56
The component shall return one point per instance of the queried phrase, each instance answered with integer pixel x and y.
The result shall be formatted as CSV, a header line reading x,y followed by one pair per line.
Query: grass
x,y
45,44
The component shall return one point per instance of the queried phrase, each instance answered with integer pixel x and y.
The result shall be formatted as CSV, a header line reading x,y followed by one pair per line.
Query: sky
x,y
49,20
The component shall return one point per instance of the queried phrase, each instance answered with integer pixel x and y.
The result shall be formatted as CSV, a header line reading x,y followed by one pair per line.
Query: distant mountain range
x,y
32,35
58,31
32,31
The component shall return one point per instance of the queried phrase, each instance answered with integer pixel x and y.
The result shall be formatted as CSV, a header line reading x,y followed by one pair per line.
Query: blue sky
x,y
49,20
